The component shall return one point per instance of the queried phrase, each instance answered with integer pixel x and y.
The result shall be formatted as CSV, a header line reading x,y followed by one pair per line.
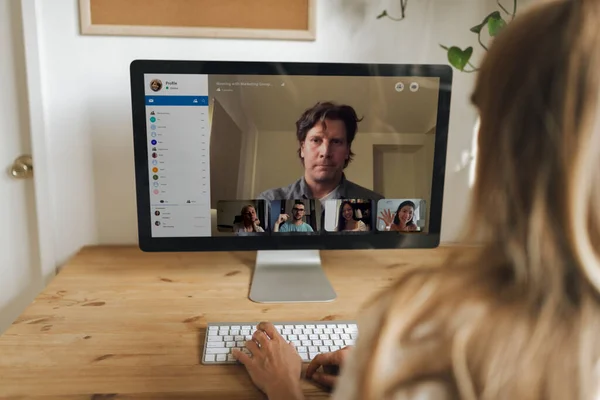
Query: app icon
x,y
155,184
154,155
154,149
157,223
154,162
155,170
157,213
155,177
153,142
153,134
156,191
414,86
162,201
399,86
153,127
152,113
152,119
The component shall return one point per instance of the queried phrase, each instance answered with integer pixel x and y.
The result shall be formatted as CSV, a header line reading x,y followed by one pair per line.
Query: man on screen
x,y
325,133
297,223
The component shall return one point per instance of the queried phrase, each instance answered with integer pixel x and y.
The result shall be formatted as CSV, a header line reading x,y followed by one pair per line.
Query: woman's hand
x,y
387,217
275,366
331,362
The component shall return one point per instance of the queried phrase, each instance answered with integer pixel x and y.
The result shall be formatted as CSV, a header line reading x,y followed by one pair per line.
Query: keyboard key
x,y
234,332
317,343
349,342
328,342
215,338
231,344
240,344
323,337
230,358
338,330
296,343
236,327
245,332
217,351
315,337
286,331
303,337
292,337
301,349
338,342
228,338
306,342
221,357
321,326
304,356
334,348
213,328
288,326
345,336
215,344
328,331
297,331
209,357
324,349
310,326
313,349
335,336
246,327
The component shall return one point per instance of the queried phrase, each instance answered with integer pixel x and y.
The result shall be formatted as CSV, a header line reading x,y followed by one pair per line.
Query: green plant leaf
x,y
495,15
383,14
459,58
495,25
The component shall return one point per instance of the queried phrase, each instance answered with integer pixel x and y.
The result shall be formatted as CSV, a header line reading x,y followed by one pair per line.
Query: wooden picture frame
x,y
244,19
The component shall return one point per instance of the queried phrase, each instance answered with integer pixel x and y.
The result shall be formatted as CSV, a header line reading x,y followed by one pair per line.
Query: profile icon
x,y
157,213
157,223
155,85
399,86
154,155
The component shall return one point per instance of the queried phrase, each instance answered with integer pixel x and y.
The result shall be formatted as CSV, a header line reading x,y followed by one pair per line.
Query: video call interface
x,y
245,155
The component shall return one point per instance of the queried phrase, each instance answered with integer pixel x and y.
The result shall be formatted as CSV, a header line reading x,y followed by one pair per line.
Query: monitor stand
x,y
290,276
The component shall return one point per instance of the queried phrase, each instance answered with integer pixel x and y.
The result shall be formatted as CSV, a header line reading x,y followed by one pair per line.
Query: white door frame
x,y
44,204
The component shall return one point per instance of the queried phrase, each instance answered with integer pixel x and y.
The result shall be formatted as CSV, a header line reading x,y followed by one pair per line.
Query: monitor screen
x,y
285,155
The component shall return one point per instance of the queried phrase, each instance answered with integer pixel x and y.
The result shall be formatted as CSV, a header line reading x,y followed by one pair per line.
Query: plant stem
x,y
472,66
480,42
502,7
514,9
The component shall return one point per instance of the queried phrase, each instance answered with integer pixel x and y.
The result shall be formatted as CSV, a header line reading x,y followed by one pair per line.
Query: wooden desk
x,y
117,323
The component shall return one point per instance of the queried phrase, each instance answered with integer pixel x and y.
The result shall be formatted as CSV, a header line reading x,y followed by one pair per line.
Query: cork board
x,y
257,19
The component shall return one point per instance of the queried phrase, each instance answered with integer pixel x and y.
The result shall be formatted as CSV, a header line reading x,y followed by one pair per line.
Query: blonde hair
x,y
517,317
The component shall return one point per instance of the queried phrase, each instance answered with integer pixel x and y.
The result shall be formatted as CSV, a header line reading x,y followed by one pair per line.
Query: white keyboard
x,y
309,337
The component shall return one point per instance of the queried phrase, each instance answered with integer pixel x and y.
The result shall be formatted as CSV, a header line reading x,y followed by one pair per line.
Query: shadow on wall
x,y
114,173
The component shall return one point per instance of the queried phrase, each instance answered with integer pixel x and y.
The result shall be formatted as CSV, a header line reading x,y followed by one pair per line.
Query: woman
x,y
518,316
250,222
347,220
402,220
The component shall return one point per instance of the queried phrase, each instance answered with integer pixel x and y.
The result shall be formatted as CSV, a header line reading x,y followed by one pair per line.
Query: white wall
x,y
88,112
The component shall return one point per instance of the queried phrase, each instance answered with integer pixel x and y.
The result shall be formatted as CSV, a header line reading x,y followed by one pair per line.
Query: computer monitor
x,y
289,159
